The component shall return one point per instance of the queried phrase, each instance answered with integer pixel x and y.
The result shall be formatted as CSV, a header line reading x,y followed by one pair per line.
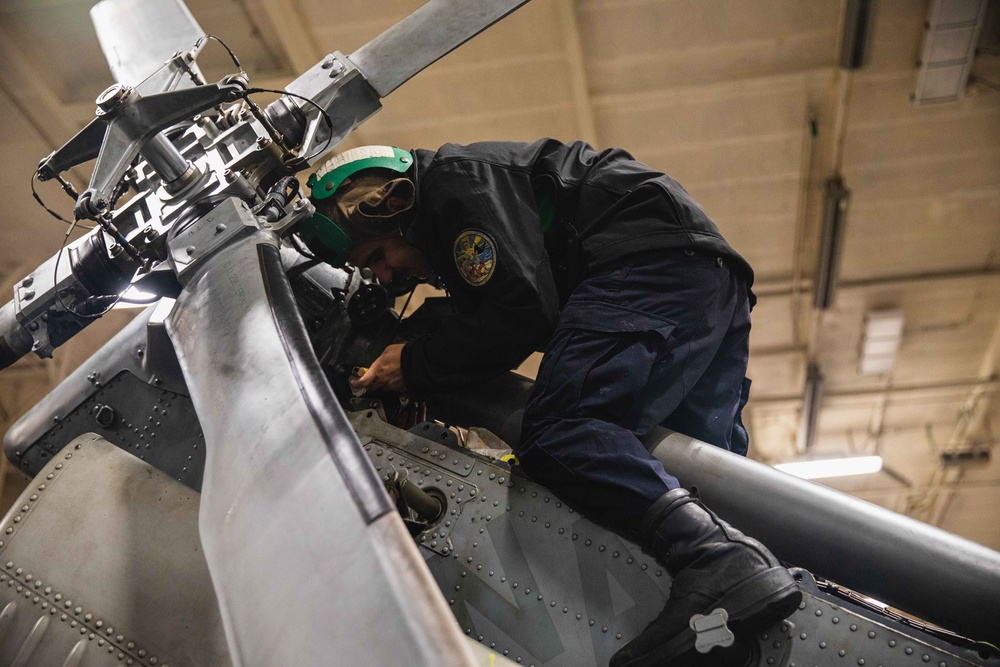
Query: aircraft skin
x,y
523,574
207,490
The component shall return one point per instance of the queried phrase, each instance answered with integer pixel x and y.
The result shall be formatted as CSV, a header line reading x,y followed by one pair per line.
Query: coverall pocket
x,y
605,359
612,318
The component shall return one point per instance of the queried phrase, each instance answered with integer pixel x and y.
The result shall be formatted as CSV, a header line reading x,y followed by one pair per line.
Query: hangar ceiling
x,y
745,104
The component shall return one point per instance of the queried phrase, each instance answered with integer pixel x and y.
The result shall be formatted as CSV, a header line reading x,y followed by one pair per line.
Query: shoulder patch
x,y
475,256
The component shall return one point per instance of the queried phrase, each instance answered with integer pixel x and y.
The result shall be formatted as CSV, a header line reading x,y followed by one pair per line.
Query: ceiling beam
x,y
37,101
838,397
784,288
293,33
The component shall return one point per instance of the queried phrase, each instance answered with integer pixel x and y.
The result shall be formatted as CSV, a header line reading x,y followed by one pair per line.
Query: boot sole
x,y
767,597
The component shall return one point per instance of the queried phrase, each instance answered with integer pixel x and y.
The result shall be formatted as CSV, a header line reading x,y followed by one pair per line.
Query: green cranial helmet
x,y
332,241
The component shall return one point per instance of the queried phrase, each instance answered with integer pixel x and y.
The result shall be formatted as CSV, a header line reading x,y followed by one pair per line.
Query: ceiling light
x,y
812,399
858,465
883,335
952,31
857,27
835,203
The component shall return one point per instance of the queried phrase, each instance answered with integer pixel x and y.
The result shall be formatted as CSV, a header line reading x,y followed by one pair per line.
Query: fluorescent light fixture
x,y
858,465
883,334
812,400
835,203
952,32
857,26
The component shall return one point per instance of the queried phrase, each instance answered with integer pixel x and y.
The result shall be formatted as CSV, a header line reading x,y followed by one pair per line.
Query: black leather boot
x,y
713,566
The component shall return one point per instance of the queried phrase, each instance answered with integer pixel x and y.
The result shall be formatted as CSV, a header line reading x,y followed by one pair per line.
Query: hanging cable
x,y
68,187
326,116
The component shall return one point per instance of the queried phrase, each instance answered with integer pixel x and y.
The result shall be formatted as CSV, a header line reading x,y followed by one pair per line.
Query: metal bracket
x,y
43,300
339,88
228,221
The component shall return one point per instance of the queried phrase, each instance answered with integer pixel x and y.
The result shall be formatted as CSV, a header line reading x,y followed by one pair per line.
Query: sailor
x,y
641,306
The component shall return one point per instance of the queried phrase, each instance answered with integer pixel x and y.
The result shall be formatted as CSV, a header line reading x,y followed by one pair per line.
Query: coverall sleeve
x,y
500,322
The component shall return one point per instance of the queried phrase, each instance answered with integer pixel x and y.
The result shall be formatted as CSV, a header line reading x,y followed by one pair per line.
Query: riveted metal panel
x,y
533,580
154,424
131,392
100,564
525,574
830,631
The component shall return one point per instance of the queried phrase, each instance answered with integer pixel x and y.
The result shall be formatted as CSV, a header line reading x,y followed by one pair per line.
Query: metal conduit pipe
x,y
910,565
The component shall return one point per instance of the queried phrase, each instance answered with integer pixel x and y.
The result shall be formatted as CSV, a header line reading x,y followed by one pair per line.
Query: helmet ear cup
x,y
326,239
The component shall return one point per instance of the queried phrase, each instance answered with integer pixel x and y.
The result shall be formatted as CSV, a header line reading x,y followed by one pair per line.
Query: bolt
x,y
219,228
112,97
29,294
27,281
328,62
263,142
190,249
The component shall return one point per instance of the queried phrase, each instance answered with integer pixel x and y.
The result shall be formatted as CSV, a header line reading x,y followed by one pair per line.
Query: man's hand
x,y
384,374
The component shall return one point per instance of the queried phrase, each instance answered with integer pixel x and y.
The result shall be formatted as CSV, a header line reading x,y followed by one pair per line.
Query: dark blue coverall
x,y
642,306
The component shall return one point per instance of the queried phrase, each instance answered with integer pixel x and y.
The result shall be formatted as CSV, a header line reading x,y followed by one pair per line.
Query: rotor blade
x,y
311,563
138,36
433,31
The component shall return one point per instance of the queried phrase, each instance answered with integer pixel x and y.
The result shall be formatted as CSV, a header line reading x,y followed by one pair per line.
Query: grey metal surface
x,y
306,557
152,424
138,36
15,341
336,86
535,581
431,32
101,565
135,376
831,632
138,121
43,298
227,222
165,159
915,567
524,574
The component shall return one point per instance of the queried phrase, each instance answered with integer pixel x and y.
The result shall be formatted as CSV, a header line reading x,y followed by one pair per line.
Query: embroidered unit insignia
x,y
475,256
